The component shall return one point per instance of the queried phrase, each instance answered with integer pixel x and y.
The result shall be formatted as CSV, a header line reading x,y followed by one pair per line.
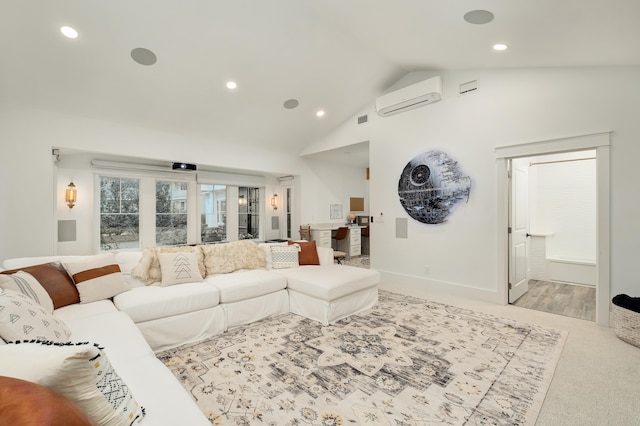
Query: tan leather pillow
x,y
55,279
308,253
24,403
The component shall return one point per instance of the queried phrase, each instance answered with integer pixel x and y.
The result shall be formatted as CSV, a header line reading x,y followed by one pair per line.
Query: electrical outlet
x,y
427,269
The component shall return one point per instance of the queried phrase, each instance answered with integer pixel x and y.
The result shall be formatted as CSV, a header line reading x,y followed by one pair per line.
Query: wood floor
x,y
570,300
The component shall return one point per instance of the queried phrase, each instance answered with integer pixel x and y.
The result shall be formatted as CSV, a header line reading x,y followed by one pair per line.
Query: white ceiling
x,y
338,55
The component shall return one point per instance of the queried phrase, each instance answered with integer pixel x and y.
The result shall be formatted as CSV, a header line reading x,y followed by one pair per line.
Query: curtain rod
x,y
560,161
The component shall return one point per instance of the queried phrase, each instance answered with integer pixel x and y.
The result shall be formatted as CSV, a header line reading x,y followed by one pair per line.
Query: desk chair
x,y
365,240
341,234
305,232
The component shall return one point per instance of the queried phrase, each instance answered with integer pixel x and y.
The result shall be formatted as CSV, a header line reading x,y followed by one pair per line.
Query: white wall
x,y
563,204
32,194
510,107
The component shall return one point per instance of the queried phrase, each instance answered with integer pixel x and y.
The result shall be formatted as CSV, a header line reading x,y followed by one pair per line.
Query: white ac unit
x,y
410,97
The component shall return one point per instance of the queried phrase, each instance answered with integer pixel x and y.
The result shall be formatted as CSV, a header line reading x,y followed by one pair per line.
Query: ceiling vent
x,y
416,95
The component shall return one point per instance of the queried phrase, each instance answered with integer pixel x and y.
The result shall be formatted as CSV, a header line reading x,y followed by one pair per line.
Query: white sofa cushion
x,y
152,302
113,330
244,285
329,282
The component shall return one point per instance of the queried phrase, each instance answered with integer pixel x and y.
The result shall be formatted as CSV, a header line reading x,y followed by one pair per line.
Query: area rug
x,y
358,261
407,361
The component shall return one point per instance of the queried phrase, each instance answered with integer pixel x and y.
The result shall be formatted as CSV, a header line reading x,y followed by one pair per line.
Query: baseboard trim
x,y
421,287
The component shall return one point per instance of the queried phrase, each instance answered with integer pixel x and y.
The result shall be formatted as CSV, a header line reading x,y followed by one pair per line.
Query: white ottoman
x,y
332,292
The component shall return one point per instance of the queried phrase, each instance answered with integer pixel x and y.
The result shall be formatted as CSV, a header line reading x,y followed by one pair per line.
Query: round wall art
x,y
430,185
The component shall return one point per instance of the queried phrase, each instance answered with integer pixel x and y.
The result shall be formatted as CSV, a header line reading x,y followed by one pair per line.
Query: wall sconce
x,y
274,201
70,195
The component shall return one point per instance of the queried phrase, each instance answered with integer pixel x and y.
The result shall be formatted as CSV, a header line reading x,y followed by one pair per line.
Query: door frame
x,y
601,142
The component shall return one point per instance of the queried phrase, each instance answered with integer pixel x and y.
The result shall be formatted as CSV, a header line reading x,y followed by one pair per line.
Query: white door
x,y
519,225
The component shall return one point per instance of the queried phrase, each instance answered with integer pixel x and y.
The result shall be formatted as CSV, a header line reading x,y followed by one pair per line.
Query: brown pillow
x,y
24,403
308,254
55,279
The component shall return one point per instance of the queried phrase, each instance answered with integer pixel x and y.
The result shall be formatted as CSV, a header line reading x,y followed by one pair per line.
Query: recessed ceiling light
x,y
143,56
231,85
291,103
478,17
320,113
69,32
499,46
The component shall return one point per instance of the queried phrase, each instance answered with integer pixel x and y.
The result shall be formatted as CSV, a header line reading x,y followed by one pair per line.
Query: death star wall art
x,y
430,185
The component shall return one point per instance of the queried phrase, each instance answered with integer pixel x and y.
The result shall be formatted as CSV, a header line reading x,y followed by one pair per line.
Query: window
x,y
248,213
171,213
119,213
213,220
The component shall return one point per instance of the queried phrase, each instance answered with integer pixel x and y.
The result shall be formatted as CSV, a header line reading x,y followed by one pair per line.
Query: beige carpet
x,y
406,362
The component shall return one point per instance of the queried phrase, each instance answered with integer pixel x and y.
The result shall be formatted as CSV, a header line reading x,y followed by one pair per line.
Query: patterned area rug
x,y
359,261
408,361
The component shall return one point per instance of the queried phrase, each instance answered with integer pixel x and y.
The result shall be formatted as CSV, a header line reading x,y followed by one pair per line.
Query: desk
x,y
322,236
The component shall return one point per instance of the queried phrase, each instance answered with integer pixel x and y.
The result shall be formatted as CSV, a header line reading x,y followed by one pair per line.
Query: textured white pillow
x,y
285,256
22,318
97,278
178,268
267,251
28,285
81,372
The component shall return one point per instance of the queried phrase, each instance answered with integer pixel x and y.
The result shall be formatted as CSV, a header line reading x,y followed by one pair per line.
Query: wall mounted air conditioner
x,y
416,95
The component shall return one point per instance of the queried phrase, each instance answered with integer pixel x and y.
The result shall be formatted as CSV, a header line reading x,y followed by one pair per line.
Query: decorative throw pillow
x,y
55,279
266,247
148,270
23,318
308,254
81,372
26,403
229,257
178,268
285,256
97,278
27,284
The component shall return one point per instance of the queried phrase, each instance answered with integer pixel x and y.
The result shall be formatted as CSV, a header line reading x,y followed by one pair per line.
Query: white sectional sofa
x,y
144,319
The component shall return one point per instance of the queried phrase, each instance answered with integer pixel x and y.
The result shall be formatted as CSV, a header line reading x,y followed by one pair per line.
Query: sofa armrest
x,y
325,255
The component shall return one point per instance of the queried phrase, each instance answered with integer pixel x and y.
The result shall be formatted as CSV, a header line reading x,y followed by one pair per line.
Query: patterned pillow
x,y
148,269
55,279
97,278
28,285
178,268
23,318
285,257
81,372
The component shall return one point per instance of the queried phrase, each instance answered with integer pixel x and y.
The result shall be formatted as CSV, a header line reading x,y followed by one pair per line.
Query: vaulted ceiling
x,y
334,55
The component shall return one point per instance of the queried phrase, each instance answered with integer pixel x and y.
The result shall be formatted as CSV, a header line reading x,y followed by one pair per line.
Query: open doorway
x,y
600,143
553,239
